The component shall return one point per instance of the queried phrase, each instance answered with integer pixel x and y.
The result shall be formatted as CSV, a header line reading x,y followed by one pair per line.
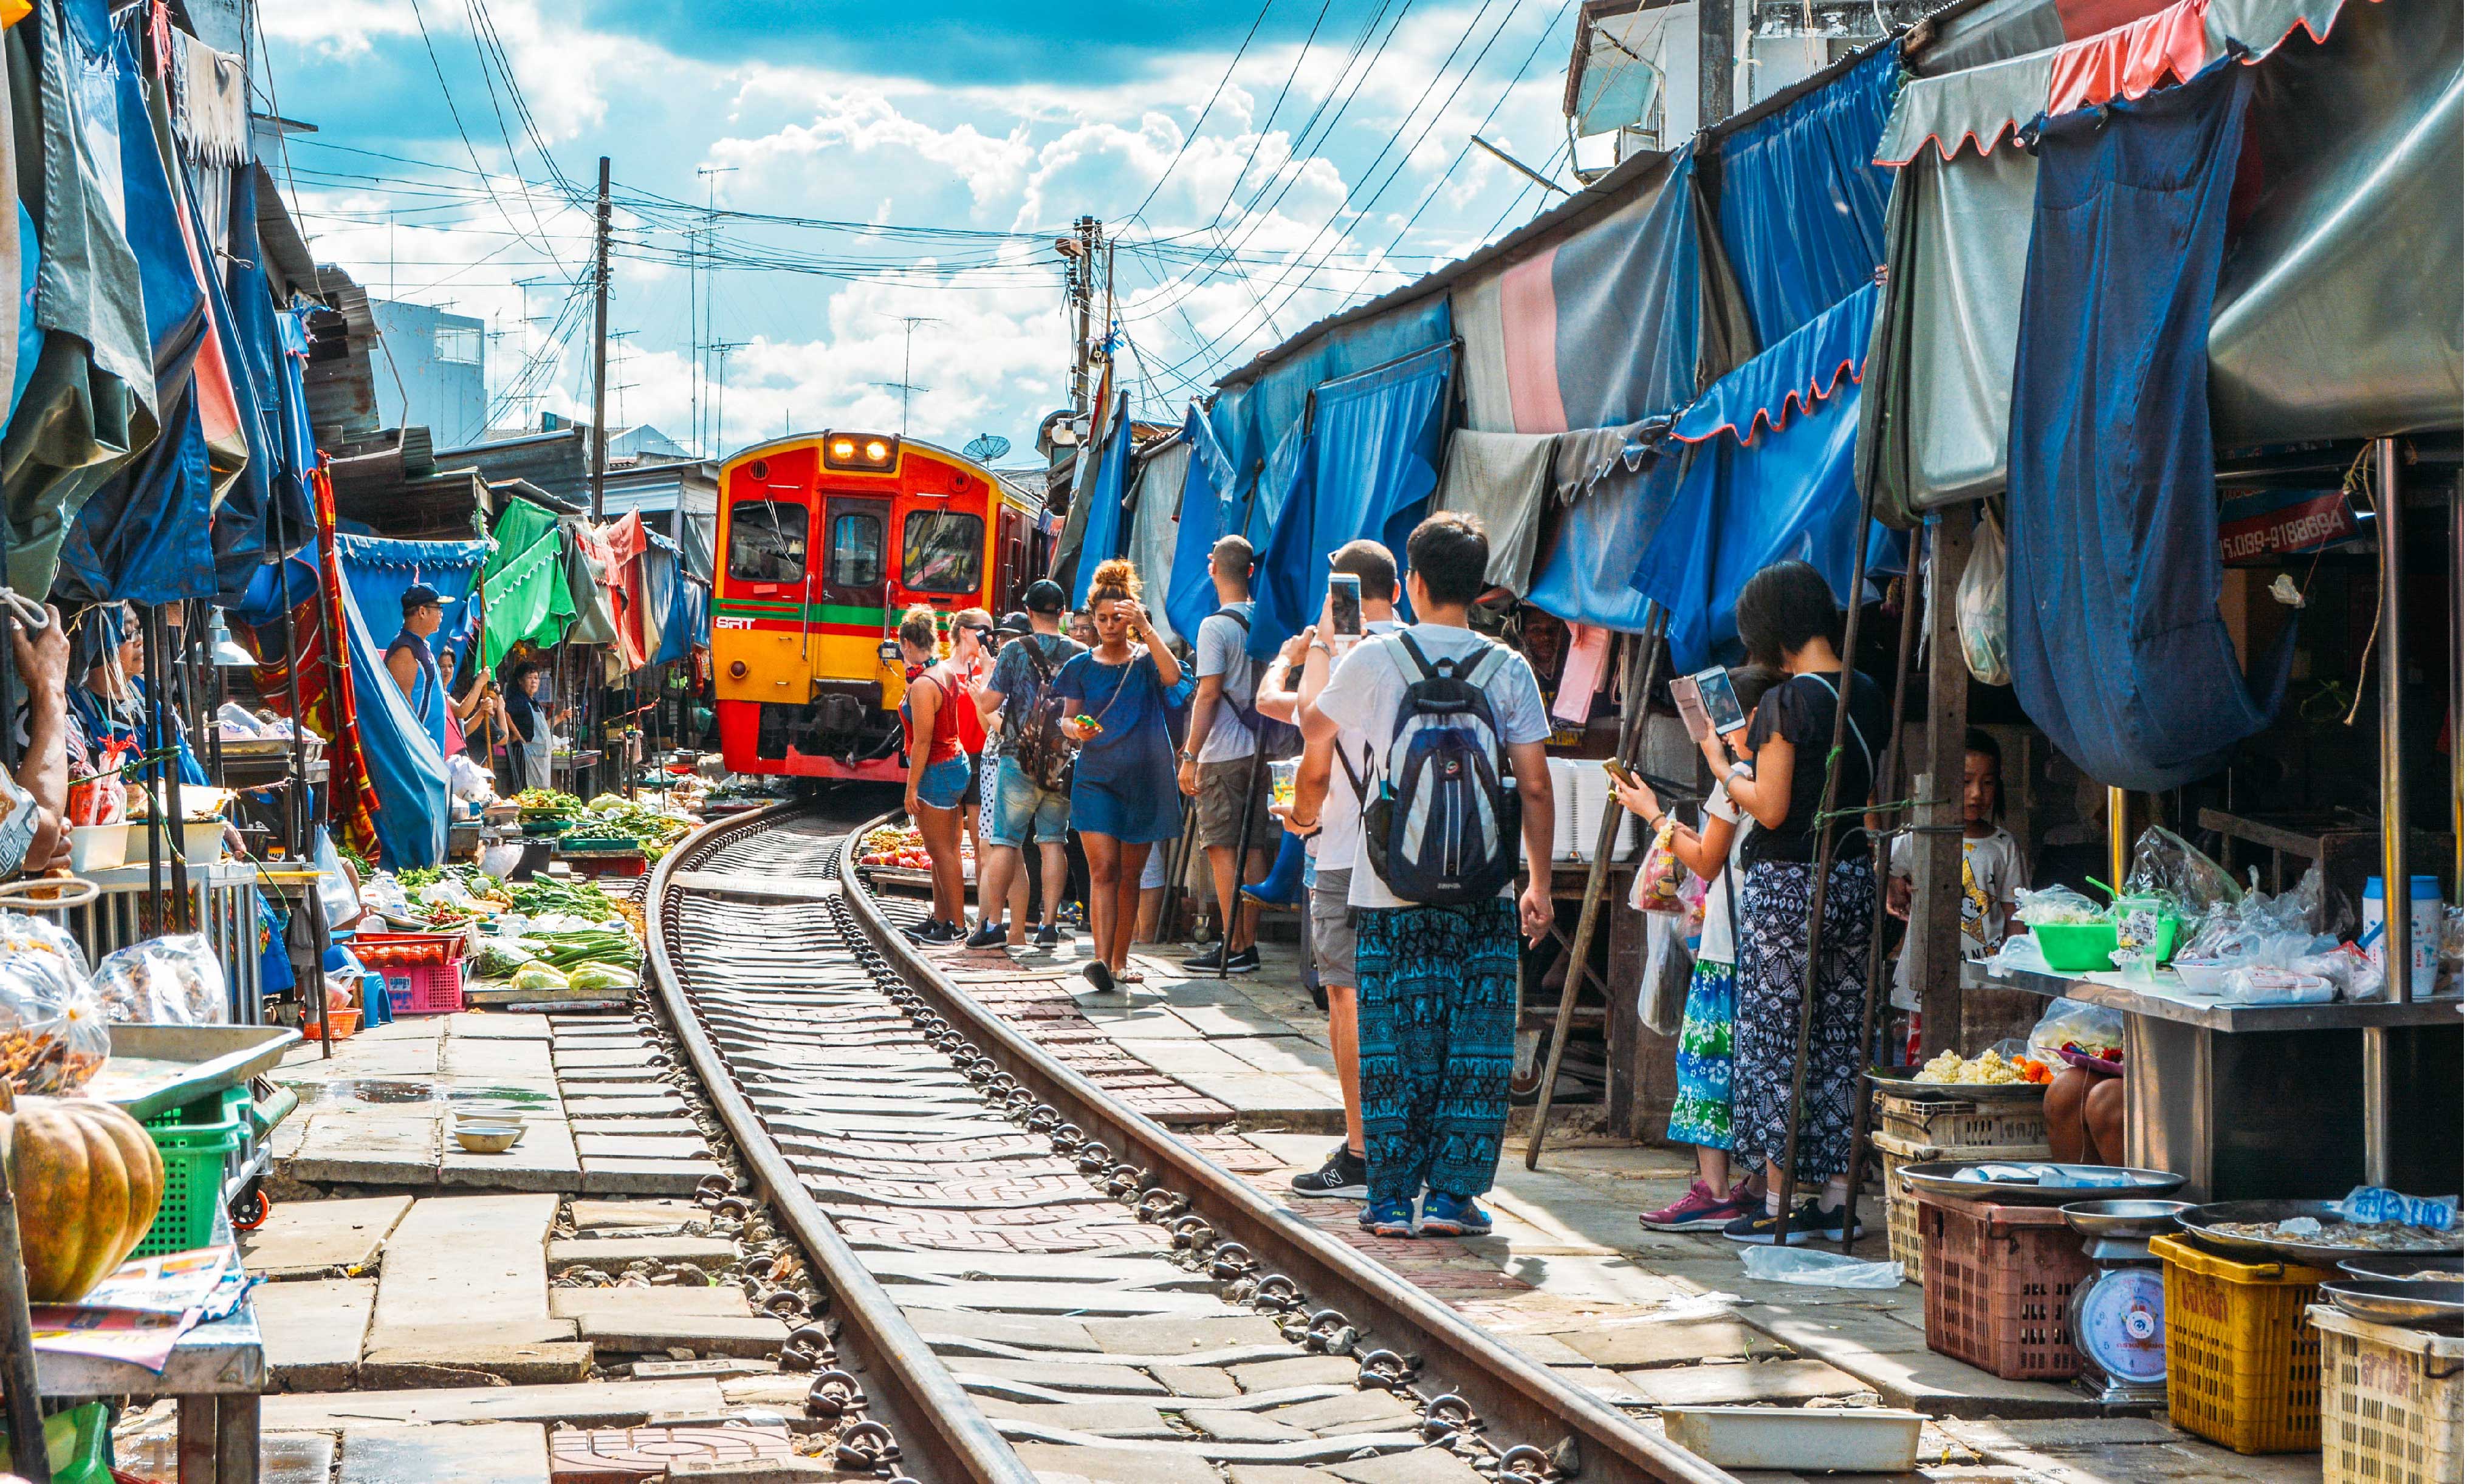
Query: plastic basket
x,y
195,1157
2391,1402
2244,1359
1961,1128
432,990
1905,1236
341,1025
215,1108
2076,948
1997,1284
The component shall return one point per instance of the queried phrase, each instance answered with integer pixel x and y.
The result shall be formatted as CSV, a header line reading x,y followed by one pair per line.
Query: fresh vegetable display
x,y
548,802
542,896
1990,1069
597,945
899,847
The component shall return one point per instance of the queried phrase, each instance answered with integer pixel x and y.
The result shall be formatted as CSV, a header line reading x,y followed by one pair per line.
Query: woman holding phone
x,y
939,774
1125,798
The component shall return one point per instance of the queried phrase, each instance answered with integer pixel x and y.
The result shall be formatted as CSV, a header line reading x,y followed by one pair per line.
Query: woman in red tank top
x,y
939,774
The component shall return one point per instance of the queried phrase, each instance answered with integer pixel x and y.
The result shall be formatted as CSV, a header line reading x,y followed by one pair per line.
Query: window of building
x,y
768,540
941,551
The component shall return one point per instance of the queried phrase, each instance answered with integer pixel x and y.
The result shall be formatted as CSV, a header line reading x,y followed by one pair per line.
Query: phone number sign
x,y
2284,523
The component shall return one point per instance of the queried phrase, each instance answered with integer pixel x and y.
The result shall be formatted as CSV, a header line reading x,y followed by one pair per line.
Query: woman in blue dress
x,y
1125,798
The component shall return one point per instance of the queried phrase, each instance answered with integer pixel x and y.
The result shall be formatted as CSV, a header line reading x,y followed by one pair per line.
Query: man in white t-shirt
x,y
1332,933
1437,988
1215,768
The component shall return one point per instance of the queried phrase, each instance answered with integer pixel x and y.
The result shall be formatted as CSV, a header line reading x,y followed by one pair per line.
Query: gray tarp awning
x,y
1501,479
1150,525
2354,250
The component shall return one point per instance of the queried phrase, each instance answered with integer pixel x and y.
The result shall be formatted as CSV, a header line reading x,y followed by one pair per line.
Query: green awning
x,y
525,583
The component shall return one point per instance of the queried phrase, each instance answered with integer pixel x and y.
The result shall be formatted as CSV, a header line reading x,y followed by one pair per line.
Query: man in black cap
x,y
1028,810
414,665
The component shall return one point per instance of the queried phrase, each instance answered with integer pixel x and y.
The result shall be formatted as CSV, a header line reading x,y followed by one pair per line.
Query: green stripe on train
x,y
816,612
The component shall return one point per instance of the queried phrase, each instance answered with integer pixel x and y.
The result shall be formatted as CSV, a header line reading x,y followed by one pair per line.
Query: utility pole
x,y
1081,254
910,323
702,342
600,337
1716,62
721,388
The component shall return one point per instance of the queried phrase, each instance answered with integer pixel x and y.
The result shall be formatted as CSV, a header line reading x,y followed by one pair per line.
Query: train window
x,y
940,551
768,540
858,551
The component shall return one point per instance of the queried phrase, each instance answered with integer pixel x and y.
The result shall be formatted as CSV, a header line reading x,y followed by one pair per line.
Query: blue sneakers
x,y
1453,1215
1388,1218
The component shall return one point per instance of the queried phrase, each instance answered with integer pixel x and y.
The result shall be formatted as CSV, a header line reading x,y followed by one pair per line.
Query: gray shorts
x,y
1334,931
1222,800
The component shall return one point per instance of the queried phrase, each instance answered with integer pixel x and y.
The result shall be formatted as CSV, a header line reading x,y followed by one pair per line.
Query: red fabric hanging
x,y
2133,60
624,577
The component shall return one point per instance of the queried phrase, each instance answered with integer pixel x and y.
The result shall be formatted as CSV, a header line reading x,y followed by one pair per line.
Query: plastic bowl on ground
x,y
489,1138
2076,948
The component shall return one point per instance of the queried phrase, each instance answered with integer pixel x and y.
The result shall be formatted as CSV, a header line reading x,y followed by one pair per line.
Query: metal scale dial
x,y
2117,1312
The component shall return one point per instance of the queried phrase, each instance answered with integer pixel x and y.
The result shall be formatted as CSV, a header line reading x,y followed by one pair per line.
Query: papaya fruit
x,y
87,1181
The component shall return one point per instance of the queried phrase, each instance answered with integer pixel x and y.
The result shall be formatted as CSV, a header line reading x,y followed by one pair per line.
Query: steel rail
x,y
945,1438
1518,1400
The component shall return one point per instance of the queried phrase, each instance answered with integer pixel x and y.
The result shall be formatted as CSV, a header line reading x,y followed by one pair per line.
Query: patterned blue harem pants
x,y
1437,993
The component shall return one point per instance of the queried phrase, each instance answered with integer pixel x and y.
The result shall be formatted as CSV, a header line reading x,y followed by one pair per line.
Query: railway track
x,y
1025,1276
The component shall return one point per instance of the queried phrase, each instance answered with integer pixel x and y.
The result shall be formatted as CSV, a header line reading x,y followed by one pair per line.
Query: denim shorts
x,y
1026,813
945,782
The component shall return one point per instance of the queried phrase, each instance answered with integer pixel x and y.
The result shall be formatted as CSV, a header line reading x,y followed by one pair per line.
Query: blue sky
x,y
877,164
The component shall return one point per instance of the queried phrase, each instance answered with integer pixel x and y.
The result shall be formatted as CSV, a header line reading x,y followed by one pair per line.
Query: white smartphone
x,y
1347,609
1719,701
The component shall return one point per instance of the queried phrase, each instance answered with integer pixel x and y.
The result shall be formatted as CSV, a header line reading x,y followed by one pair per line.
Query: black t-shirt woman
x,y
1790,621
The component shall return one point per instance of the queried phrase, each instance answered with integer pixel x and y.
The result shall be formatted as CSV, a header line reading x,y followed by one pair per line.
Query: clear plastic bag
x,y
1984,607
1815,1269
164,981
2165,862
2091,1028
52,1037
2056,906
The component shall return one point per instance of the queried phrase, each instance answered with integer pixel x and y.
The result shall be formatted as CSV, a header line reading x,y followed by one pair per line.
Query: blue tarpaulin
x,y
1800,204
2116,645
1250,419
1596,545
1768,476
1203,514
1370,463
405,760
1103,524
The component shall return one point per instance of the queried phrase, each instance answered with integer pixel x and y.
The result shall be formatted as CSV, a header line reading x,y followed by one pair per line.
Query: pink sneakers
x,y
1698,1210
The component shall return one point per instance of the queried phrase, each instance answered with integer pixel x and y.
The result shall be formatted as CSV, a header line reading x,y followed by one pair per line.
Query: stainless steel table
x,y
2257,1102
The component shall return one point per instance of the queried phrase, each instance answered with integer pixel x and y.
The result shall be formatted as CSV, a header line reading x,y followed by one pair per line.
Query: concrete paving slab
x,y
941,1327
1627,1346
1360,1411
1303,1371
612,1080
1181,1335
623,1176
1275,1473
1261,1094
313,1331
488,1453
1419,1465
497,1027
1059,1463
1789,1381
1105,1419
638,1054
459,1362
674,1125
1228,1427
640,1333
282,1457
1200,1382
1182,1058
641,1146
664,1104
1066,1375
1284,1056
673,1300
301,1238
591,1404
1078,1299
617,1215
712,1254
1216,1020
717,1368
473,1257
369,1148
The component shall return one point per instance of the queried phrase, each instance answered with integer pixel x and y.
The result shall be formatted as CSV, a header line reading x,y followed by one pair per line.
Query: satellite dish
x,y
987,447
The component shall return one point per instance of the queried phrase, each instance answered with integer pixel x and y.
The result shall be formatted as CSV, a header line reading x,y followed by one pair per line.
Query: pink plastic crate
x,y
429,990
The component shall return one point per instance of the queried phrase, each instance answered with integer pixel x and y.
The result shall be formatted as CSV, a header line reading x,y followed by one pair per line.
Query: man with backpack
x,y
1218,769
1455,784
1034,767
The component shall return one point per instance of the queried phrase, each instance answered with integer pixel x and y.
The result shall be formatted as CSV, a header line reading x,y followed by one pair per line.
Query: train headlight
x,y
878,451
871,451
844,449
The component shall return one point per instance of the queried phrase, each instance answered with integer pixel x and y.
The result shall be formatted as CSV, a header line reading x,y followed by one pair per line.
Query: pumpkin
x,y
87,1181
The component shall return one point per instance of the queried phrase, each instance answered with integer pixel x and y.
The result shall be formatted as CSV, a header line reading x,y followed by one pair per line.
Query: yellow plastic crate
x,y
2391,1402
1906,1234
2242,1354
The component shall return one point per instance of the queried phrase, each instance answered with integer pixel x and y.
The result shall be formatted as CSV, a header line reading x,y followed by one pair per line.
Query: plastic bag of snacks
x,y
1657,886
2057,906
52,1037
164,981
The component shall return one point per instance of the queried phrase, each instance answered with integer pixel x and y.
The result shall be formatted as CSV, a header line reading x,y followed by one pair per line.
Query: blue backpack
x,y
1442,827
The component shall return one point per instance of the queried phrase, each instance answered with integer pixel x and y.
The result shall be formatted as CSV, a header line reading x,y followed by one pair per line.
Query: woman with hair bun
x,y
939,773
1125,795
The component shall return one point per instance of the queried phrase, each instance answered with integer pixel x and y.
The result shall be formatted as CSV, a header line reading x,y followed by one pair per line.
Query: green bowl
x,y
2076,948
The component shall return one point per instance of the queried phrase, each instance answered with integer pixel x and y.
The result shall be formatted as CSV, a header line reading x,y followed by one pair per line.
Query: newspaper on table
x,y
138,1314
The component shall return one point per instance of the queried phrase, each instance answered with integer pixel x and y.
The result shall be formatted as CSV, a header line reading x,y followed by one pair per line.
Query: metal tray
x,y
1886,1081
2402,1265
1941,1178
2396,1300
205,1059
2122,1219
2201,1222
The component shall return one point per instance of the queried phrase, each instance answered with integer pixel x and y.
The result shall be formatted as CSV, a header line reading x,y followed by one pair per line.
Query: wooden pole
x,y
1884,783
1823,859
1939,815
1592,896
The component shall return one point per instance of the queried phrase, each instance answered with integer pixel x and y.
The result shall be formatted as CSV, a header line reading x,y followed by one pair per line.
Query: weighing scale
x,y
2117,1312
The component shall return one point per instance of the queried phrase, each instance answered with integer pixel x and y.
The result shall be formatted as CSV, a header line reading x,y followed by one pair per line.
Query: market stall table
x,y
2264,1101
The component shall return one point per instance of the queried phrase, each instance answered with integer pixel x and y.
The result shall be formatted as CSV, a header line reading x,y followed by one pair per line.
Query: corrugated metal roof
x,y
557,461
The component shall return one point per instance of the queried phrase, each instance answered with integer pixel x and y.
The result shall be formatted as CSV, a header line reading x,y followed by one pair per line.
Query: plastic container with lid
x,y
2423,943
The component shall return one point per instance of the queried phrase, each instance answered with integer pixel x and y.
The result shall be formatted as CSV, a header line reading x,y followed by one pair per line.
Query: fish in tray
x,y
2075,1178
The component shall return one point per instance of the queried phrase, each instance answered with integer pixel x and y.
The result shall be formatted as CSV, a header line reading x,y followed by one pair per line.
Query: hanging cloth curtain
x,y
1501,479
587,557
407,759
1800,202
1101,503
623,579
660,567
1150,525
1202,518
1371,462
2117,647
523,587
1769,477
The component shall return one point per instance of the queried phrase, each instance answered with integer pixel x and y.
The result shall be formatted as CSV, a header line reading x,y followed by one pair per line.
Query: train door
x,y
855,546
